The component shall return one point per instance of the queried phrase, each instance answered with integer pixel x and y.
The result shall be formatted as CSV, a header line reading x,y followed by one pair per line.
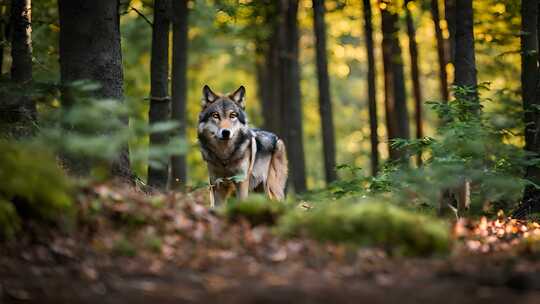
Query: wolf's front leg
x,y
220,194
242,190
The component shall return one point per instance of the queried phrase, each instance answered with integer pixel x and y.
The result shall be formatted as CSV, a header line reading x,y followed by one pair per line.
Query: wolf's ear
x,y
239,96
208,96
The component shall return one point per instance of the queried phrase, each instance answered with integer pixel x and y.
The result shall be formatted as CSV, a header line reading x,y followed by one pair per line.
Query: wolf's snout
x,y
225,134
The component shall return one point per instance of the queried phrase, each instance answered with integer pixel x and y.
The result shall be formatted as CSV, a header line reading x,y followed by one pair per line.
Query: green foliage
x,y
370,224
32,182
95,130
9,220
471,144
257,209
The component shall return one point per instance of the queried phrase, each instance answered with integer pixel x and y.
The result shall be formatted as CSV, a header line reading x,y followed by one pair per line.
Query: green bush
x,y
257,209
382,225
32,183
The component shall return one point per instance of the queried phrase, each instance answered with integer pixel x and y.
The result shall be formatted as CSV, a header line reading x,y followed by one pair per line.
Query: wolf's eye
x,y
215,115
233,115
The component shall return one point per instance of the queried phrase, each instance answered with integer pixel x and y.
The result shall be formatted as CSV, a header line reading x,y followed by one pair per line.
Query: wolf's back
x,y
277,172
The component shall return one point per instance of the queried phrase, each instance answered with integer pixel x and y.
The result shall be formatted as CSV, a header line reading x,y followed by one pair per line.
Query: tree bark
x,y
530,92
441,52
90,50
179,86
415,77
290,94
372,94
2,36
465,61
450,16
21,55
397,117
159,81
325,103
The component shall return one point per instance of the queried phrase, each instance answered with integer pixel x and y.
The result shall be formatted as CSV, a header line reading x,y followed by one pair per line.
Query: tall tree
x,y
3,23
179,86
372,94
530,91
415,76
290,93
158,170
21,55
90,50
450,16
325,103
465,59
267,64
397,117
441,50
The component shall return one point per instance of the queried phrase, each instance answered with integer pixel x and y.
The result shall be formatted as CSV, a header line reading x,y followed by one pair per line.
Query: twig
x,y
142,16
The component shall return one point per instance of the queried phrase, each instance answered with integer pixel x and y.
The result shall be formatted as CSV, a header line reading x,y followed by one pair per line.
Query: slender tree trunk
x,y
158,170
90,49
21,55
325,103
291,96
415,77
441,52
3,22
450,16
179,86
397,116
269,71
372,94
465,61
530,90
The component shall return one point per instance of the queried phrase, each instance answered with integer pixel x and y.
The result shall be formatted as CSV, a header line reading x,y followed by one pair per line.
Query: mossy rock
x,y
257,209
392,228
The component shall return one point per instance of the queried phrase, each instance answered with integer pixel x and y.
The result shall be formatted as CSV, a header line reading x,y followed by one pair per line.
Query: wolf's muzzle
x,y
225,134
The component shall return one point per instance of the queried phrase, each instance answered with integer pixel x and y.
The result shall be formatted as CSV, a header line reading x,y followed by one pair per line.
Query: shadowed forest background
x,y
411,130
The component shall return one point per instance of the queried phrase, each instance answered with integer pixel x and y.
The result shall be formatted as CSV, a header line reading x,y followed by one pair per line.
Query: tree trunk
x,y
159,91
450,16
397,117
90,49
290,94
464,61
179,86
21,67
2,36
441,52
530,90
372,94
325,103
415,77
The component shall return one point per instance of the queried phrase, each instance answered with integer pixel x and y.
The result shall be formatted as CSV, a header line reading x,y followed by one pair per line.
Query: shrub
x,y
32,185
370,224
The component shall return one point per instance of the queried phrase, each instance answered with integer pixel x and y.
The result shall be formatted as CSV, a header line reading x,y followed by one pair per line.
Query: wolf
x,y
239,158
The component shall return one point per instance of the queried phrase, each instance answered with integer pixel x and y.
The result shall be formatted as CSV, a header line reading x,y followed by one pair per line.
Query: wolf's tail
x,y
277,173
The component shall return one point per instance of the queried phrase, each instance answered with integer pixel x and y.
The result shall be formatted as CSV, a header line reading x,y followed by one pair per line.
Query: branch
x,y
142,16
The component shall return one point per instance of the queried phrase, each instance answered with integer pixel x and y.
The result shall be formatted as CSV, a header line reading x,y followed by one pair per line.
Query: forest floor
x,y
127,247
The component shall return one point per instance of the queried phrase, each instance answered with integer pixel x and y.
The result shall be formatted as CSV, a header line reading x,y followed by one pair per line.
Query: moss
x,y
257,209
124,247
9,220
382,225
33,182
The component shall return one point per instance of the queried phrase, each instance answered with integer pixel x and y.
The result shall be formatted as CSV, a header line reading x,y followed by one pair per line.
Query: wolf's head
x,y
222,116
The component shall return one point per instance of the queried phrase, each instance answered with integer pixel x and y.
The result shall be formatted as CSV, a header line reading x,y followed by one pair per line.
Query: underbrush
x,y
33,187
